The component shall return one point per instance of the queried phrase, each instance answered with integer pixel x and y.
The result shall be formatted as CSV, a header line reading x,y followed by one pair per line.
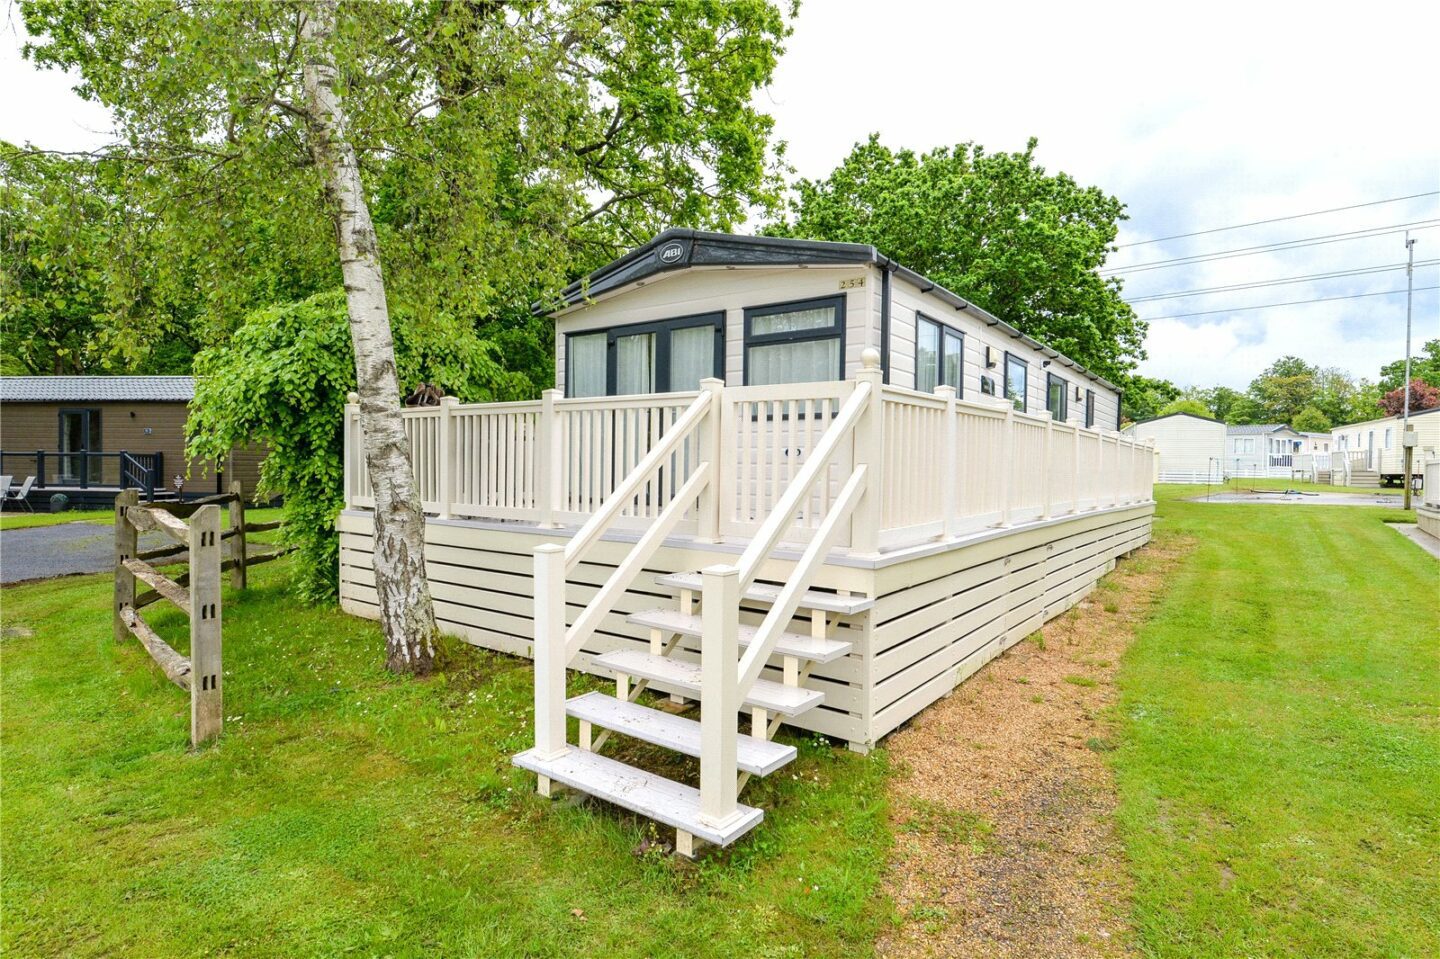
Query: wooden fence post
x,y
550,448
125,548
207,715
1075,486
446,455
1007,467
352,449
869,441
712,450
719,692
949,466
549,654
1047,495
238,578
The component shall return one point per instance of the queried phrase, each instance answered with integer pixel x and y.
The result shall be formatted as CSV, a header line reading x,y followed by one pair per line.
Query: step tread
x,y
776,697
758,756
789,644
766,593
664,800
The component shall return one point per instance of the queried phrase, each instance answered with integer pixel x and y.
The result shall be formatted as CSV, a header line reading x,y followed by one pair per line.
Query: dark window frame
x,y
90,414
834,332
1005,381
715,318
1050,380
941,329
1089,409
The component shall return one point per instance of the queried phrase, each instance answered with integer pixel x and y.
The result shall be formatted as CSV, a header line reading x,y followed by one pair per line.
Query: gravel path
x,y
1002,802
42,552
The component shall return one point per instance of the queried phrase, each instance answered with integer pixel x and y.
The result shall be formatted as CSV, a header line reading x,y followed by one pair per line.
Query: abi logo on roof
x,y
672,252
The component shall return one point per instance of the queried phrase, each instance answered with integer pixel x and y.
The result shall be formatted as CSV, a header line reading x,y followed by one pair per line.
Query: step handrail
x,y
783,512
762,645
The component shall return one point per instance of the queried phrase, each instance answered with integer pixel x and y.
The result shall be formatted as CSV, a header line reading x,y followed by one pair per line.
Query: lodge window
x,y
1017,375
801,342
79,432
669,356
939,356
1057,397
1089,409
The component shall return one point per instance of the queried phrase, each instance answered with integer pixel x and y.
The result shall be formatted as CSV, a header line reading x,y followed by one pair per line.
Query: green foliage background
x,y
282,380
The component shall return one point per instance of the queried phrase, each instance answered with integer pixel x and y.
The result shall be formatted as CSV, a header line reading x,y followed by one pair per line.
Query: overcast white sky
x,y
1196,117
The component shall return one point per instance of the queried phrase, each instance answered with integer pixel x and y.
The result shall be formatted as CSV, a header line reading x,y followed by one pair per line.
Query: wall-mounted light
x,y
1044,363
1077,392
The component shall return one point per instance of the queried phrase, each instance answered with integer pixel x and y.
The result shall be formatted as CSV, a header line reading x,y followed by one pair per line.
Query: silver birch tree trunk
x,y
407,615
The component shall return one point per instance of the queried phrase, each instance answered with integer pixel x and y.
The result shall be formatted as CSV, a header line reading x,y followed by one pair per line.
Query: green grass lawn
x,y
102,517
1244,483
1279,767
347,812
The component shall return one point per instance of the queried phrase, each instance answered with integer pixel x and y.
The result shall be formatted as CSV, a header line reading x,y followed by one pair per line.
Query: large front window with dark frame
x,y
800,342
1017,375
1057,397
666,356
939,356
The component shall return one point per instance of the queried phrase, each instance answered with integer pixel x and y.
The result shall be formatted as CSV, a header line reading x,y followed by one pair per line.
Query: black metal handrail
x,y
141,471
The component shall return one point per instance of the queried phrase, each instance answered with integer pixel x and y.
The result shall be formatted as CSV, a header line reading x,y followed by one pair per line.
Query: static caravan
x,y
1265,449
1189,448
1373,451
778,479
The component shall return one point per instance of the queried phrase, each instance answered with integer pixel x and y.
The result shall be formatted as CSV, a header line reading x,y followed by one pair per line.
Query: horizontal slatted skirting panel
x,y
940,618
481,580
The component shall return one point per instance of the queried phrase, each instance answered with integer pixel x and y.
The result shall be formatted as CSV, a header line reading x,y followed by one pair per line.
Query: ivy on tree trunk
x,y
407,615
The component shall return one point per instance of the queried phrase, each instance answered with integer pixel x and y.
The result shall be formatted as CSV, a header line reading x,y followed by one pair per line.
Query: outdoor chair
x,y
20,495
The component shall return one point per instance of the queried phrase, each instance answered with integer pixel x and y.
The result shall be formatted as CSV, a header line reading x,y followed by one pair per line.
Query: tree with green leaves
x,y
1144,397
501,150
1424,366
995,228
1193,407
1311,420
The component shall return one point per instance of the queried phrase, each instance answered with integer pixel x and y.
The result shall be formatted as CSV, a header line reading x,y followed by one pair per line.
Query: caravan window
x,y
1057,397
939,356
664,357
795,342
1089,408
1017,375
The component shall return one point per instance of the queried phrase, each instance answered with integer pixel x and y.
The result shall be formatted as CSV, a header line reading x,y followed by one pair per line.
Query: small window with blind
x,y
939,356
670,356
1090,409
1017,381
801,342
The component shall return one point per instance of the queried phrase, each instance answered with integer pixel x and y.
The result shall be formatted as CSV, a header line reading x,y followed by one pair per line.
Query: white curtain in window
x,y
692,357
635,363
927,356
587,365
820,318
811,361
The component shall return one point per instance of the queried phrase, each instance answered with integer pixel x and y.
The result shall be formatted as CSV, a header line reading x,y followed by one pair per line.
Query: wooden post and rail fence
x,y
195,592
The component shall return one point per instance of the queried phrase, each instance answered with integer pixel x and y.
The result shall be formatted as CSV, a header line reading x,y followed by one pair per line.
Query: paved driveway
x,y
45,551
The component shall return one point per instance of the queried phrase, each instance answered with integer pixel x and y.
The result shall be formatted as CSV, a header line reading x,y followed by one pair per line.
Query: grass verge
x,y
1279,754
346,811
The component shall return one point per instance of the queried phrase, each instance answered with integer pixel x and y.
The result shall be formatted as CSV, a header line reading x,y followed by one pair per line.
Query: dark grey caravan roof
x,y
679,249
95,389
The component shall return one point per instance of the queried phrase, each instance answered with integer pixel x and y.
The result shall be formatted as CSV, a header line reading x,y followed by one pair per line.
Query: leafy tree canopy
x,y
282,379
1145,396
1424,366
992,227
1311,420
505,149
1194,407
1423,396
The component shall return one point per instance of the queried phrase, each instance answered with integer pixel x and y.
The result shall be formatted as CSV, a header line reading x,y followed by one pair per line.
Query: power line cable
x,y
1282,281
1267,306
1276,247
1278,219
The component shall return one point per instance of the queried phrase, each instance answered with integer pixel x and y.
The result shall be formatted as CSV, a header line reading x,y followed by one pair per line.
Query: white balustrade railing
x,y
942,466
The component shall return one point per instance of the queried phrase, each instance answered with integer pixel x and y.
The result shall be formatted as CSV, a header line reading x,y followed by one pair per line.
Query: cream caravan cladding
x,y
1191,448
1381,442
684,274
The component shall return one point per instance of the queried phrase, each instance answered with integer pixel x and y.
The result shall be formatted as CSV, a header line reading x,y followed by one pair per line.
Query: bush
x,y
282,379
1186,406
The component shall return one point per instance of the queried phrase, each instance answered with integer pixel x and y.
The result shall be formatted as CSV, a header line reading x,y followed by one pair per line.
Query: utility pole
x,y
1406,439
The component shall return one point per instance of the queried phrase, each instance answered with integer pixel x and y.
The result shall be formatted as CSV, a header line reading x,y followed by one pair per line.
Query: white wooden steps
x,y
766,593
772,697
664,800
760,757
815,649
